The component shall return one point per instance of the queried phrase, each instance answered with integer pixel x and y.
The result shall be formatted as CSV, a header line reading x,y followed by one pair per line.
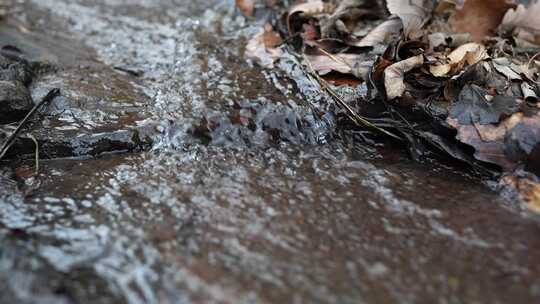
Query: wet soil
x,y
240,192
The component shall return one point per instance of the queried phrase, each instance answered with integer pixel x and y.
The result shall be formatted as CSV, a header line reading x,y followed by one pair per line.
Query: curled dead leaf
x,y
263,47
394,75
525,21
509,144
528,93
467,54
311,8
488,140
381,33
413,14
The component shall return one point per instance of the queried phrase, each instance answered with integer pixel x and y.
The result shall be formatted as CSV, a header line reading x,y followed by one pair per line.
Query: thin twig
x,y
532,60
333,57
36,153
11,139
359,120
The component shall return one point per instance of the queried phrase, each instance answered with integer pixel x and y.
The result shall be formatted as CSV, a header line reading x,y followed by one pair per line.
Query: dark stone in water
x,y
15,71
15,101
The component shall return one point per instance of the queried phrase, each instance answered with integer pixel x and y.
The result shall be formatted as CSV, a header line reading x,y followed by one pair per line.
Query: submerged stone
x,y
15,101
15,70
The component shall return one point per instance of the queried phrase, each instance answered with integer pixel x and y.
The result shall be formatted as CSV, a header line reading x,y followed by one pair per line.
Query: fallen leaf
x,y
480,18
342,63
310,8
262,48
247,7
381,33
413,14
488,140
523,139
309,32
527,187
451,40
502,65
448,5
524,20
528,93
469,53
513,142
394,75
473,107
271,38
348,12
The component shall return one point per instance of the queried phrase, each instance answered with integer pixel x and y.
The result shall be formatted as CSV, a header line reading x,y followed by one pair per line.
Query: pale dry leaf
x,y
469,53
502,65
342,63
525,20
413,14
394,75
528,92
440,70
381,33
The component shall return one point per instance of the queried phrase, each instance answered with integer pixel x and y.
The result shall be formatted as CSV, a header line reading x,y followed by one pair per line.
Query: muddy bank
x,y
246,195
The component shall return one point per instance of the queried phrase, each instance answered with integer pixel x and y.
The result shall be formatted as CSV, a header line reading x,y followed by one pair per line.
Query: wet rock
x,y
100,110
88,119
15,70
256,125
15,101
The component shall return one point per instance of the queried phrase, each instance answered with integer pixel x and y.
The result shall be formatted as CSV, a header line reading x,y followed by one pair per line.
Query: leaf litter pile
x,y
459,77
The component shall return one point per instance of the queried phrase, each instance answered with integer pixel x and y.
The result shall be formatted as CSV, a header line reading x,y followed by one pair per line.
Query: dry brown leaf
x,y
309,33
480,18
469,53
262,48
394,75
413,14
247,7
271,38
381,33
524,20
444,6
488,140
513,142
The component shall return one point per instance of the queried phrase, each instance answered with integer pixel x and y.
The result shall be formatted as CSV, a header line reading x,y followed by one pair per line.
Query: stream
x,y
244,194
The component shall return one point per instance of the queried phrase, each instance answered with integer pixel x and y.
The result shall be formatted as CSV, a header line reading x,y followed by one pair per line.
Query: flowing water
x,y
272,209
